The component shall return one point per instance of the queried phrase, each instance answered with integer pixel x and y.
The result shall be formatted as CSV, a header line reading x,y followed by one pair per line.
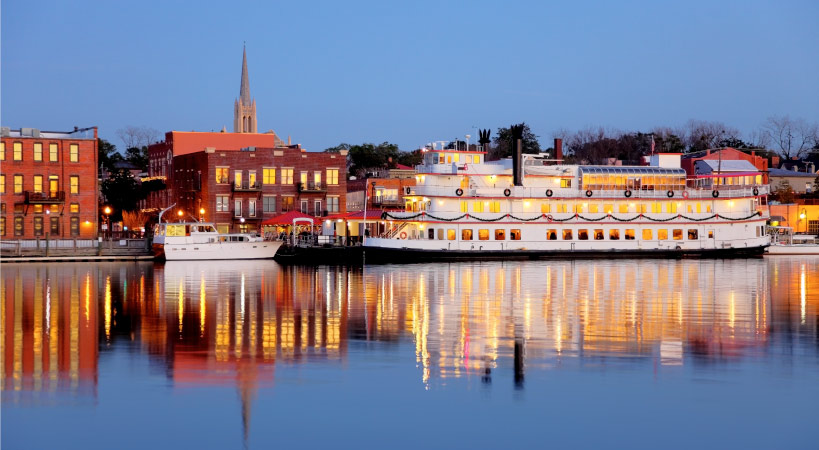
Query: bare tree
x,y
790,137
137,137
701,134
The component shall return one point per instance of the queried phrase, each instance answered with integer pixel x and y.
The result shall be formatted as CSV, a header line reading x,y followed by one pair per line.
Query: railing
x,y
542,192
387,200
44,197
311,186
247,187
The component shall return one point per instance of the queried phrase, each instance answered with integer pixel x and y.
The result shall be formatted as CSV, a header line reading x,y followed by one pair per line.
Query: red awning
x,y
287,218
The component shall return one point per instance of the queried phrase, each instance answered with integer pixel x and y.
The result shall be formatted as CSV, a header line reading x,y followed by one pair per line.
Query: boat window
x,y
593,208
662,235
614,235
647,235
500,235
678,234
514,234
598,234
545,208
551,234
483,235
629,235
466,235
431,233
710,234
567,235
175,230
608,208
623,207
583,235
692,233
450,234
440,234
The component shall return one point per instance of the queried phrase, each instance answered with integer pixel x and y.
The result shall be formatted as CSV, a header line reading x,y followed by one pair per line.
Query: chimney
x,y
517,153
558,148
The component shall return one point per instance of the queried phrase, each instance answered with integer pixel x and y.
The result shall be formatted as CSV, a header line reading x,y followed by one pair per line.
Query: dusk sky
x,y
407,72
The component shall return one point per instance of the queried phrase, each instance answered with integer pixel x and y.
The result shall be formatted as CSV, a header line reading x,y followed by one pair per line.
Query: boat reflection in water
x,y
232,324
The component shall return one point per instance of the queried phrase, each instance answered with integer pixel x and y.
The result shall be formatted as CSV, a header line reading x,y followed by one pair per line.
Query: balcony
x,y
33,198
311,186
387,200
247,187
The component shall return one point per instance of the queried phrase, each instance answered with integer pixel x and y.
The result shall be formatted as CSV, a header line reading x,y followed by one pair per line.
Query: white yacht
x,y
201,241
465,207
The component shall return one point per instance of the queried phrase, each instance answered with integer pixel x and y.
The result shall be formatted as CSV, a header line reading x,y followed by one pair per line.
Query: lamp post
x,y
802,216
107,212
201,214
179,214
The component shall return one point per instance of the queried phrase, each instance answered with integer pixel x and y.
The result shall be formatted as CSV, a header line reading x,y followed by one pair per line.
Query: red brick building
x,y
689,160
49,183
239,189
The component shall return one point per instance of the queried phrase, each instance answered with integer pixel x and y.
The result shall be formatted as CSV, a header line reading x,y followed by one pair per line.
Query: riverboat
x,y
464,207
202,241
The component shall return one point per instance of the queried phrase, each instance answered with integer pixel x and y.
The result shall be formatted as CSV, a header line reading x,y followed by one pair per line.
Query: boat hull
x,y
217,251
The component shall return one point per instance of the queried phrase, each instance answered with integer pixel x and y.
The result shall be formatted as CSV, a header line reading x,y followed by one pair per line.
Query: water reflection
x,y
232,324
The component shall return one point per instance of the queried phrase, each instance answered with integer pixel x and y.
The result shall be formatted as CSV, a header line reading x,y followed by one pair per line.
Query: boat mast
x,y
163,212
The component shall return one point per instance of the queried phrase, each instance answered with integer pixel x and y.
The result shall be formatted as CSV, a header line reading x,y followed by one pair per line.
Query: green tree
x,y
784,193
138,157
108,154
411,159
369,157
122,192
502,141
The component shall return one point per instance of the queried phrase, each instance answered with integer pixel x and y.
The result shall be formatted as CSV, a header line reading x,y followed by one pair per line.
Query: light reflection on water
x,y
258,328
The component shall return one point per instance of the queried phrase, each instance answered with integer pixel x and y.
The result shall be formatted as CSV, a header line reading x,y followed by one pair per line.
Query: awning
x,y
288,218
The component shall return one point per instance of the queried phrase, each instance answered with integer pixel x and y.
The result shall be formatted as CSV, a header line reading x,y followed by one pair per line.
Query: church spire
x,y
244,89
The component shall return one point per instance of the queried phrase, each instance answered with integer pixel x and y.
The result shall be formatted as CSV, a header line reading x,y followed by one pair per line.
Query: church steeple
x,y
244,109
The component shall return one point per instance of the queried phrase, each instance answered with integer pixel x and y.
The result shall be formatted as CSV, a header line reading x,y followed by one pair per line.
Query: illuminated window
x,y
74,153
608,209
38,225
477,206
561,208
38,183
18,184
693,235
483,235
614,235
18,151
237,179
222,175
476,159
623,207
53,185
53,153
18,226
642,208
662,235
2,184
500,235
583,235
464,206
55,226
38,151
74,208
647,235
494,206
450,234
54,208
565,182
2,152
332,176
567,235
710,234
551,234
2,226
287,176
251,179
594,208
545,208
656,207
678,234
288,203
514,234
708,207
598,234
74,184
466,235
629,235
75,226
38,209
671,207
269,175
303,178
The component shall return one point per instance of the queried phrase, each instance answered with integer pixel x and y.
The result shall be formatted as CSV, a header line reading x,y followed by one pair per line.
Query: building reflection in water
x,y
231,323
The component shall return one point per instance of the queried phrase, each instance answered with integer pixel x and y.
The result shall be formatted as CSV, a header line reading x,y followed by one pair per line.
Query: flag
x,y
652,144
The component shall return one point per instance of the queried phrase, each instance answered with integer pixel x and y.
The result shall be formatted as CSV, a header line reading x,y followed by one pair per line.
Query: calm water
x,y
565,354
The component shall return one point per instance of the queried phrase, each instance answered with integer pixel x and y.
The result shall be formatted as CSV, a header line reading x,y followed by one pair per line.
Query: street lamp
x,y
107,212
201,214
179,214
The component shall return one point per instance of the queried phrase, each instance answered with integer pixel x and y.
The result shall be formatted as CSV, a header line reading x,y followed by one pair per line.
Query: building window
x,y
629,235
237,208
614,235
38,226
2,226
287,176
2,184
567,235
483,235
53,154
303,178
317,179
74,153
53,185
18,226
237,179
38,183
2,151
222,203
500,235
288,204
269,204
38,151
74,183
222,175
269,175
251,179
466,235
678,234
18,151
75,226
55,226
18,184
514,234
551,234
38,209
251,208
304,206
647,235
74,208
583,235
317,208
332,204
332,176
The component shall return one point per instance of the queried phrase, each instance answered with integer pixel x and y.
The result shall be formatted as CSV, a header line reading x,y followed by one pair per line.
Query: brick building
x,y
239,189
689,160
49,183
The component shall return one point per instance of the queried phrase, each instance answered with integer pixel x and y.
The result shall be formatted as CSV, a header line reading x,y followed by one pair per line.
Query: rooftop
x,y
35,133
705,166
790,173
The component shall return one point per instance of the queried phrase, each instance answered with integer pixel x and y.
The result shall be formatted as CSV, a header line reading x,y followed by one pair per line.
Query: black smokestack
x,y
517,150
483,139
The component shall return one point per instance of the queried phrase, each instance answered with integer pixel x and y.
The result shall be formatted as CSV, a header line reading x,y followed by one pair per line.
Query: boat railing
x,y
545,192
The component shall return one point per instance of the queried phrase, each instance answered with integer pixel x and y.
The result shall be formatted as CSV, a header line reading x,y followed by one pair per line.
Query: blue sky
x,y
408,72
